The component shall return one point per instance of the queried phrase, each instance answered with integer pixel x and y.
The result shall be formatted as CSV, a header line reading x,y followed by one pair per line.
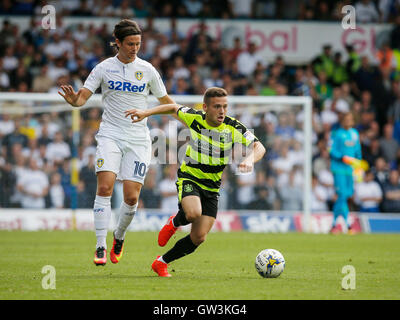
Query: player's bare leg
x,y
201,225
191,206
127,211
200,228
102,213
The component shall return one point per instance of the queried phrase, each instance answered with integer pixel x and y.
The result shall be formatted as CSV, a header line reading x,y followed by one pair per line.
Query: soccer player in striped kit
x,y
123,149
213,135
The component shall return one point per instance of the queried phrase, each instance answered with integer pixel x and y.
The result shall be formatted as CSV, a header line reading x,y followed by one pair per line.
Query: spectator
x,y
339,73
169,202
373,152
381,171
6,125
42,82
324,62
57,69
88,176
353,62
34,186
4,77
10,61
55,49
149,195
193,7
368,194
125,10
15,137
388,144
386,58
283,165
265,9
323,89
214,80
395,34
326,181
85,200
58,150
105,9
366,11
83,9
365,77
291,195
391,193
388,10
242,8
56,191
8,183
65,171
141,10
247,60
198,42
319,196
261,200
236,49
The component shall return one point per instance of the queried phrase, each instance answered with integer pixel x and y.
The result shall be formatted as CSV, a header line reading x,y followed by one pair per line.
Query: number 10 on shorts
x,y
140,169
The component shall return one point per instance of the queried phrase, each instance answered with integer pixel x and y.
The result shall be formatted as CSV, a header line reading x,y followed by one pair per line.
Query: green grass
x,y
221,268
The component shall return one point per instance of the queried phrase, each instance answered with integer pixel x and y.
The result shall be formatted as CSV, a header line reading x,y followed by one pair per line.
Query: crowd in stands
x,y
38,147
320,10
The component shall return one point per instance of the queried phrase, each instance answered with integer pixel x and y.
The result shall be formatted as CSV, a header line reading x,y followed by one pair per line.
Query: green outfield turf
x,y
221,268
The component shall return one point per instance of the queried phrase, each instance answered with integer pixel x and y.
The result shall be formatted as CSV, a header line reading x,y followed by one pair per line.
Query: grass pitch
x,y
221,268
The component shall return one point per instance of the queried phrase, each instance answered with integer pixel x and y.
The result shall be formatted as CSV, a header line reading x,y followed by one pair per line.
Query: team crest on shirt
x,y
224,137
139,75
100,162
188,188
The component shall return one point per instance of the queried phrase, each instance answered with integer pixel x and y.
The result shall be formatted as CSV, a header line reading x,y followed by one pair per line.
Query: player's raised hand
x,y
69,94
135,114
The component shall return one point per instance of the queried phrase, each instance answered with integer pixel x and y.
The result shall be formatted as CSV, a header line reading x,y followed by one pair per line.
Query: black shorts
x,y
209,200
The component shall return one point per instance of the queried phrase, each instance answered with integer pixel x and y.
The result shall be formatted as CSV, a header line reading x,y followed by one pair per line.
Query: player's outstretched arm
x,y
138,115
255,155
75,99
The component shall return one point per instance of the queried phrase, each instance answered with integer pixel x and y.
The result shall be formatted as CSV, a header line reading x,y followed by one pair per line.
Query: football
x,y
270,263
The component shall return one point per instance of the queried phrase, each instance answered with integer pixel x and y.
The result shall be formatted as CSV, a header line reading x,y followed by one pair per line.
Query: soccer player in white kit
x,y
123,149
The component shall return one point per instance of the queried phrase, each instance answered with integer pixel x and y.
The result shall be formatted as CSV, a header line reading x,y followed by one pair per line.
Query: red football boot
x,y
166,232
160,268
117,250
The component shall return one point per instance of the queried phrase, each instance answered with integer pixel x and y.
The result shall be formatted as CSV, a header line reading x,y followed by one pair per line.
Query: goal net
x,y
281,181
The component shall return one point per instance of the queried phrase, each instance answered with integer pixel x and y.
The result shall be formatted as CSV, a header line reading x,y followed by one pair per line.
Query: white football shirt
x,y
123,87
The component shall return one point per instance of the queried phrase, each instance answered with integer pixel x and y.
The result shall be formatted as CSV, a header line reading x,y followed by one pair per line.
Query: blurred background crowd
x,y
37,147
320,10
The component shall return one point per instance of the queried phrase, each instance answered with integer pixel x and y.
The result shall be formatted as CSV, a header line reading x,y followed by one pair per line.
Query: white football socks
x,y
126,214
102,215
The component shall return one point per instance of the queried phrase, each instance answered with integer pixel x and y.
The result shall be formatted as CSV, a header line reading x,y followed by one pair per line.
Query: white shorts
x,y
129,161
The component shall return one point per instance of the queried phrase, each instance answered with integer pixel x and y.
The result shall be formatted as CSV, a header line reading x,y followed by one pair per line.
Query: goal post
x,y
241,107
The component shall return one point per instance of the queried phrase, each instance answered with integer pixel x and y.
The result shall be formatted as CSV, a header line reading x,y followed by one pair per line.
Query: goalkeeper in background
x,y
345,155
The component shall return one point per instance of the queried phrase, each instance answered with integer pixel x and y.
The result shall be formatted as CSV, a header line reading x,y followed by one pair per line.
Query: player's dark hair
x,y
123,29
212,93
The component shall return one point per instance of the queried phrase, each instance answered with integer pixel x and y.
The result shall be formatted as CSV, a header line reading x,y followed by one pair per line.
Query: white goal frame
x,y
55,103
